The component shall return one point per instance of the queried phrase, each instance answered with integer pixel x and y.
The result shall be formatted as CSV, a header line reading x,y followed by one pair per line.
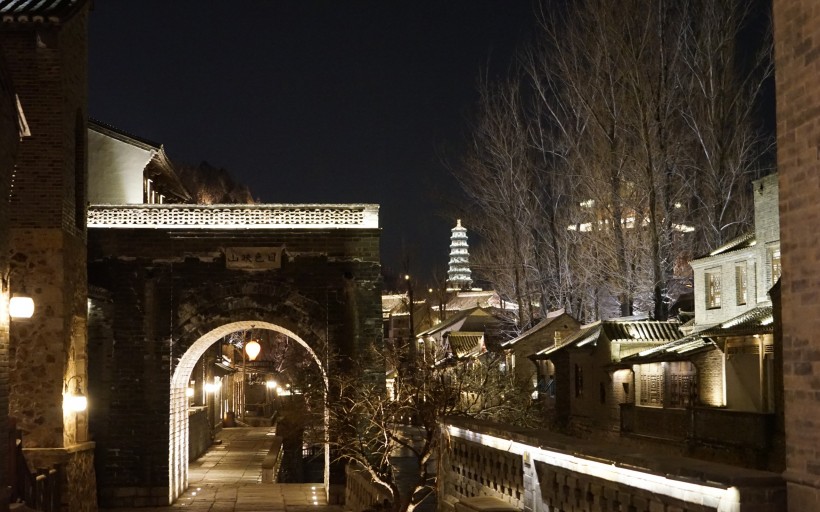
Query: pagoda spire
x,y
458,274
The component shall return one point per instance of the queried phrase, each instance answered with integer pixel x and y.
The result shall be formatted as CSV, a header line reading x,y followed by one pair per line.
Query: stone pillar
x,y
46,58
797,53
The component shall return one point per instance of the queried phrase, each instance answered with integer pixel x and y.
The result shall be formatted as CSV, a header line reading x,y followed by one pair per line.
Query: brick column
x,y
797,53
46,59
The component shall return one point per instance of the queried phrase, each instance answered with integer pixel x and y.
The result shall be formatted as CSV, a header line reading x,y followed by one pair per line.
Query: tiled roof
x,y
38,11
755,321
674,350
585,335
465,344
543,324
740,242
642,331
758,320
121,135
458,317
624,331
394,303
483,299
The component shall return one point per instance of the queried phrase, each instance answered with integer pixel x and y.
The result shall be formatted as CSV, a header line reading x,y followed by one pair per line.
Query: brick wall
x,y
47,62
709,366
797,53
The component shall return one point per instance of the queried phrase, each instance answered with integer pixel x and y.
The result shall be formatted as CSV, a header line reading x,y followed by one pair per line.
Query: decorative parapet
x,y
235,216
538,470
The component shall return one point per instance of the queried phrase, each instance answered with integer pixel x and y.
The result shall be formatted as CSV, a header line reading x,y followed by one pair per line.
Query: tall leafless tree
x,y
635,123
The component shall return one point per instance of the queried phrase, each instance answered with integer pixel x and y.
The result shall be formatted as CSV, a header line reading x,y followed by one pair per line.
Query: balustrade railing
x,y
230,216
39,490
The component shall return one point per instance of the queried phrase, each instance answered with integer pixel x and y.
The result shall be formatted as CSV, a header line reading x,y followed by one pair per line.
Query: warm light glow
x,y
211,387
76,402
21,306
271,384
189,392
252,349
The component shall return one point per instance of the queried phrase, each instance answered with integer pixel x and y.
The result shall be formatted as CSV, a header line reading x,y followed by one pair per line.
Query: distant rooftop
x,y
38,11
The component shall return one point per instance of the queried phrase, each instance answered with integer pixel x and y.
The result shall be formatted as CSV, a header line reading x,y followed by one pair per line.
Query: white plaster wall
x,y
115,170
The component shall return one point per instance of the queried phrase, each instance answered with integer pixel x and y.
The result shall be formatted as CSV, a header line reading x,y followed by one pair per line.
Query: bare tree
x,y
371,428
725,78
210,185
630,124
497,176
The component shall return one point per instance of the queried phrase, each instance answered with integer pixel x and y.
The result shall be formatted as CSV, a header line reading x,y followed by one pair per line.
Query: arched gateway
x,y
168,281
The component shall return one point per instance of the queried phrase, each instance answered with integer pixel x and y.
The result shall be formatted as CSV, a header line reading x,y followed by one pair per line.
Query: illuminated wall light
x,y
74,401
252,349
21,306
211,387
189,392
271,384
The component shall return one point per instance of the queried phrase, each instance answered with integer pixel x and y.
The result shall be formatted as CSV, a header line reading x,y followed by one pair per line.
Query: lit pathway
x,y
227,479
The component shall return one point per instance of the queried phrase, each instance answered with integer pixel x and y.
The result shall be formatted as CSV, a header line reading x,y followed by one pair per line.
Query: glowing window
x,y
774,257
741,284
713,289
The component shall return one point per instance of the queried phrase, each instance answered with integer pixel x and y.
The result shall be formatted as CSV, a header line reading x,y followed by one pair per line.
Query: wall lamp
x,y
21,306
75,401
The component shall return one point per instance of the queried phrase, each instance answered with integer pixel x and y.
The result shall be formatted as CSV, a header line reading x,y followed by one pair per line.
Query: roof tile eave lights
x,y
235,216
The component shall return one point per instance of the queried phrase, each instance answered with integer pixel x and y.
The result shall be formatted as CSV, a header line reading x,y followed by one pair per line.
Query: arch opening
x,y
178,425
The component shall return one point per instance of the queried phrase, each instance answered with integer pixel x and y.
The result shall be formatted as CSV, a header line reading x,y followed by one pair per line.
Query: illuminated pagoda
x,y
458,275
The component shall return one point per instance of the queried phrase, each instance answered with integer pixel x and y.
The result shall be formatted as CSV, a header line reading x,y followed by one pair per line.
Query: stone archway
x,y
178,420
166,284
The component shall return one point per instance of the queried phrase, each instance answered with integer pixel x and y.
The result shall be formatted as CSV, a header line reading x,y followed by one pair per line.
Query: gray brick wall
x,y
797,53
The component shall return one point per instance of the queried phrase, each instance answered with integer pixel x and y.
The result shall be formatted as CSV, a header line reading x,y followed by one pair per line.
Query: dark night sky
x,y
310,101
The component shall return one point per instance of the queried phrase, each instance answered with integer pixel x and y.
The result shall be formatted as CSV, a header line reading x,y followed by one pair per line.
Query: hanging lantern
x,y
252,349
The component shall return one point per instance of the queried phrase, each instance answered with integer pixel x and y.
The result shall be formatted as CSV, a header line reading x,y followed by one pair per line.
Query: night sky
x,y
311,101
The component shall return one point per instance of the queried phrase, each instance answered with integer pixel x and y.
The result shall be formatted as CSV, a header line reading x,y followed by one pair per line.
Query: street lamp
x,y
251,350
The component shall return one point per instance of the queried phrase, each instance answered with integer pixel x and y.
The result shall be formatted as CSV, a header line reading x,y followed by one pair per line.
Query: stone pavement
x,y
228,479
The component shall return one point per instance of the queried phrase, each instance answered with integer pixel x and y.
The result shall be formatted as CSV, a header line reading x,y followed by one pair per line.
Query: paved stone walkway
x,y
228,479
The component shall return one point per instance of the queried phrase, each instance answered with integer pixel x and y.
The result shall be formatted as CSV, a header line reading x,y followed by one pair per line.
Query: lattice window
x,y
681,390
713,289
774,263
652,389
741,284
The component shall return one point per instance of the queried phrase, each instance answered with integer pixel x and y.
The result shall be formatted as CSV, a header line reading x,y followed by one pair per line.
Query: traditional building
x,y
549,332
126,169
462,336
583,389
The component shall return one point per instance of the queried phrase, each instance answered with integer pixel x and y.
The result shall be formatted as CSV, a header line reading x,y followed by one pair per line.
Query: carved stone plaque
x,y
253,258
